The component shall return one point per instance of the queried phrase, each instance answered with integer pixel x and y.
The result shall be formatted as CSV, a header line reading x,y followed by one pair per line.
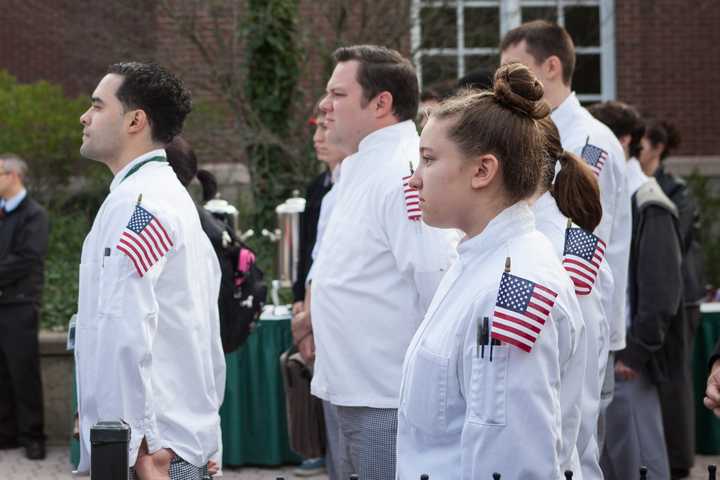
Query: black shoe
x,y
35,450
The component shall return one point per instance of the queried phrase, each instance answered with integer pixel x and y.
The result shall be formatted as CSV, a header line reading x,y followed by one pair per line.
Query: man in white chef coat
x,y
145,350
550,53
379,265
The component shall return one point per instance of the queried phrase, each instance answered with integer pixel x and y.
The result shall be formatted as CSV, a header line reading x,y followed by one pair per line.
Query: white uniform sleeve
x,y
615,229
573,343
422,253
127,324
512,420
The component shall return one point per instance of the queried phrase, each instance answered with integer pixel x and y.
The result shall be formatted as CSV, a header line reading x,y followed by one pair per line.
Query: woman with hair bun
x,y
567,212
481,388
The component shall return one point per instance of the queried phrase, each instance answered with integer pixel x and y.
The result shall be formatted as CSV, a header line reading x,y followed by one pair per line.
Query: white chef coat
x,y
553,224
464,417
374,276
326,207
148,348
636,177
576,126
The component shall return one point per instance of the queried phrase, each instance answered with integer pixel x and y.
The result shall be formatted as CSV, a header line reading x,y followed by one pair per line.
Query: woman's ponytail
x,y
576,192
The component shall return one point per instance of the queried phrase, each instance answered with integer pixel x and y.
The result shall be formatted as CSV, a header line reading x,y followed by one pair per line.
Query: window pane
x,y
438,69
480,69
529,14
583,25
439,27
587,74
482,27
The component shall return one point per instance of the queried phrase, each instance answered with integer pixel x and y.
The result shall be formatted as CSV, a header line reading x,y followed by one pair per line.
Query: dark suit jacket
x,y
317,189
23,248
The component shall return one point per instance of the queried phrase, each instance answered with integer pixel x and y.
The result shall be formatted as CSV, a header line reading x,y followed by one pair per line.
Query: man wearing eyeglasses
x,y
23,247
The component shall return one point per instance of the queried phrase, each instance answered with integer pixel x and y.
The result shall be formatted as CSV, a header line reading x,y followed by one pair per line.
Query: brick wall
x,y
668,65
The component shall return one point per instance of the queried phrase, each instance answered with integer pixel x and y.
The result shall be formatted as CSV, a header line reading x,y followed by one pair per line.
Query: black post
x,y
712,469
496,476
424,476
109,455
354,476
568,474
643,473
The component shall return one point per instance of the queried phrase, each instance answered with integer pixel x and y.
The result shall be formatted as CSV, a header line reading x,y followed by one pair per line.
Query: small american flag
x,y
521,310
412,200
594,156
582,256
144,240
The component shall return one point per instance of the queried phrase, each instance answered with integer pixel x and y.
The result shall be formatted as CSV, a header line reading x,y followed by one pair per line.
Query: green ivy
x,y
273,72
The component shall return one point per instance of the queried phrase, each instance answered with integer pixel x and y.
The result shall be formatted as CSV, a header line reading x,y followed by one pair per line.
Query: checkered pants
x,y
181,470
364,444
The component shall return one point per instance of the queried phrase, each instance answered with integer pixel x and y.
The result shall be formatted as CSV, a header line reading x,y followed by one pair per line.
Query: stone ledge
x,y
53,343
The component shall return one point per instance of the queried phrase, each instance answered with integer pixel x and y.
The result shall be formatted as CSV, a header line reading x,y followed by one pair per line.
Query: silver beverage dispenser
x,y
287,236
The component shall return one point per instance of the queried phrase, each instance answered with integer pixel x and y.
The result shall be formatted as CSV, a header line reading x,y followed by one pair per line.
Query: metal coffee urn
x,y
287,236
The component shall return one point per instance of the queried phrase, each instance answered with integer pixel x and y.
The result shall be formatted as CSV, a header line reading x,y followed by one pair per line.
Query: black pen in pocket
x,y
106,253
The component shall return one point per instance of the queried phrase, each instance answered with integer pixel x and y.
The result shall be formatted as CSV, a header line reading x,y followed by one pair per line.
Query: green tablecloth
x,y
254,422
707,434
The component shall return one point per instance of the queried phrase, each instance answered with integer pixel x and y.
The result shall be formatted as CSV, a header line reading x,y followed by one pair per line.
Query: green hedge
x,y
61,273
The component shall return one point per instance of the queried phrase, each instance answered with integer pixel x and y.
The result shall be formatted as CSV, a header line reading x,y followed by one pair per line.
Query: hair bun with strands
x,y
516,87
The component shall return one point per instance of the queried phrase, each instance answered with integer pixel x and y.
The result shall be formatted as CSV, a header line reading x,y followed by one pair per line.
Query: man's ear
x,y
552,68
138,120
485,168
383,103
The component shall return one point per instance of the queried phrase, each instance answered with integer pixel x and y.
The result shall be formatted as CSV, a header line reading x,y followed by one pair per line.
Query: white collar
x,y
12,203
511,222
393,132
160,152
564,112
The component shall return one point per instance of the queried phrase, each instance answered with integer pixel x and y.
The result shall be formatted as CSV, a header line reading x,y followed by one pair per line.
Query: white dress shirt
x,y
374,276
148,348
12,203
553,224
463,416
577,127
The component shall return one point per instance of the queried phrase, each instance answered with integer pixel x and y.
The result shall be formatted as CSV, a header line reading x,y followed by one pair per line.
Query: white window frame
x,y
509,19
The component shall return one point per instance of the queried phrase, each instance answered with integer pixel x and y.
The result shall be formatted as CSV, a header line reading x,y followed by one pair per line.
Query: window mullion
x,y
460,39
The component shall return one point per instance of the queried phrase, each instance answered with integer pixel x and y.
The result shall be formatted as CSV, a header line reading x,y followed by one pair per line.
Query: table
x,y
707,426
253,416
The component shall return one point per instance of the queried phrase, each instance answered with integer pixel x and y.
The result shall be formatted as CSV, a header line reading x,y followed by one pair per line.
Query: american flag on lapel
x,y
521,310
144,240
412,200
594,156
582,256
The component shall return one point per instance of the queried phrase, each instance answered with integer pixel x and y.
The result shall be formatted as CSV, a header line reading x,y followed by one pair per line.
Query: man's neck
x,y
129,155
12,192
556,96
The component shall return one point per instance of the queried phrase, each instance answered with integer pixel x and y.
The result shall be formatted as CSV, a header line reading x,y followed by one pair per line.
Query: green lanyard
x,y
139,165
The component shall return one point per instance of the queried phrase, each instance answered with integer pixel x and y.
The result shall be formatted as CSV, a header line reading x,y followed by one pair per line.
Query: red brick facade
x,y
668,65
668,52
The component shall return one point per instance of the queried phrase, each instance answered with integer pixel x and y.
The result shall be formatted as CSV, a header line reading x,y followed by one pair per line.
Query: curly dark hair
x,y
156,91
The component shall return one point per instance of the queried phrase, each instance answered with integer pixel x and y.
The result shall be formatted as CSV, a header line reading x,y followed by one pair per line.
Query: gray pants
x,y
634,434
362,442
